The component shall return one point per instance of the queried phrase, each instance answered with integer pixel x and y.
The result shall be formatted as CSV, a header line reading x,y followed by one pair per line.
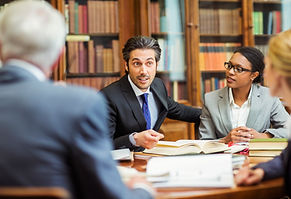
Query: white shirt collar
x,y
231,100
136,90
35,71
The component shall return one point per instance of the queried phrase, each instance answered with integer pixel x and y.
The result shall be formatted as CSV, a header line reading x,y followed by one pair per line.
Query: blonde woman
x,y
278,75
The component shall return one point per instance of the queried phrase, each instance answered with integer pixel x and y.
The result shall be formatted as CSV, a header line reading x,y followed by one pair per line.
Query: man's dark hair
x,y
256,58
141,42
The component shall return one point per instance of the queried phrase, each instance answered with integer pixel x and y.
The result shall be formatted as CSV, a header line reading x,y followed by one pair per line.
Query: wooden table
x,y
265,190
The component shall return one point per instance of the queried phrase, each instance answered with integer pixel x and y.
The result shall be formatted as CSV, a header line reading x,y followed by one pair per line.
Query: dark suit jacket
x,y
56,136
280,166
126,116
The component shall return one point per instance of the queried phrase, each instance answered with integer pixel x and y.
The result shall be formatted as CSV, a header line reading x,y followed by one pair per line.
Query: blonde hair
x,y
280,53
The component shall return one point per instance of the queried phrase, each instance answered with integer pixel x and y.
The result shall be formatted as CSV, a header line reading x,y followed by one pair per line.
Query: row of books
x,y
213,55
267,22
266,1
93,82
85,57
155,16
166,16
220,21
172,56
177,90
261,150
211,84
93,17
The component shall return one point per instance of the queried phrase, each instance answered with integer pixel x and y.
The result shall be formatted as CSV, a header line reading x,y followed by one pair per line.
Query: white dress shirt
x,y
153,107
239,114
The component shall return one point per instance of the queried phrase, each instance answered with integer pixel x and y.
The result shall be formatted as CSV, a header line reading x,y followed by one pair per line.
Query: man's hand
x,y
141,182
147,139
247,176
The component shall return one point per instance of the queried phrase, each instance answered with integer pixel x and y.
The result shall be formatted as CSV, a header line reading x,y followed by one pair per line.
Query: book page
x,y
183,147
213,170
207,146
183,150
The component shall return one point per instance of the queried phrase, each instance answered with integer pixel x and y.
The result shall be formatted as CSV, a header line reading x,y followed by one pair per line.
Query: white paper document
x,y
122,154
213,170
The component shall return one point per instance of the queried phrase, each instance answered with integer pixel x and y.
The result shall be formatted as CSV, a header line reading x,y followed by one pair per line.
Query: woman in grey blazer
x,y
243,110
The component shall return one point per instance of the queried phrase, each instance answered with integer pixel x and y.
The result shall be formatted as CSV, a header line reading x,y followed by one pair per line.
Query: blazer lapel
x,y
162,99
224,109
132,101
255,107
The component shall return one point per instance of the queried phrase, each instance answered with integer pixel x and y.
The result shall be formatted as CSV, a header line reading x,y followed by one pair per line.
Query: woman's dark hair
x,y
141,42
256,58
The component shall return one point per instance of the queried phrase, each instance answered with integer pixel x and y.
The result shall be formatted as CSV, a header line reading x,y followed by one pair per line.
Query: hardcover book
x,y
268,144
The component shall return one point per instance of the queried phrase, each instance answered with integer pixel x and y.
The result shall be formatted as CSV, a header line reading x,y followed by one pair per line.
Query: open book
x,y
183,147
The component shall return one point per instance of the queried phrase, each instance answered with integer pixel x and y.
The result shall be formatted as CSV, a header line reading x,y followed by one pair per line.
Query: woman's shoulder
x,y
264,93
261,90
217,93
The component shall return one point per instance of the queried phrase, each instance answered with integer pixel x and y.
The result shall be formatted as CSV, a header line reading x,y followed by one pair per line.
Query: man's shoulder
x,y
113,87
157,84
158,80
72,93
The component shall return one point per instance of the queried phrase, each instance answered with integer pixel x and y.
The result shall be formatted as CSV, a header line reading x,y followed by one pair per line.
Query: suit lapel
x,y
132,101
224,109
256,105
157,91
162,103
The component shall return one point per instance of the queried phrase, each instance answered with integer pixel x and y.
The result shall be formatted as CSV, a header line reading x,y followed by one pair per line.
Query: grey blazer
x,y
265,111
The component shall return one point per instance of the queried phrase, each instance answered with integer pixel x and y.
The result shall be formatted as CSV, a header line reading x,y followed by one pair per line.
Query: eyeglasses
x,y
236,69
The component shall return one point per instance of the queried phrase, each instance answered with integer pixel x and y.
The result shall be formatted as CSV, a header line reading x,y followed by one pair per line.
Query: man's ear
x,y
126,66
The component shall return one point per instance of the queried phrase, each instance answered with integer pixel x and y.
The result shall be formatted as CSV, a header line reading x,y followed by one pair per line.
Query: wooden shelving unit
x,y
134,18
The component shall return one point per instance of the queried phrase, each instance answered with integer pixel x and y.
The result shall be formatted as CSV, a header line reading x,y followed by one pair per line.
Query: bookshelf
x,y
197,37
269,18
221,32
193,35
92,44
167,19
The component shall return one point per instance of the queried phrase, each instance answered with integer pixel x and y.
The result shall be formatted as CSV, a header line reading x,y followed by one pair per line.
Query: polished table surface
x,y
265,190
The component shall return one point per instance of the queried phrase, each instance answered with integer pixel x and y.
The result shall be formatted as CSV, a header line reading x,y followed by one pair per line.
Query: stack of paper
x,y
213,170
122,154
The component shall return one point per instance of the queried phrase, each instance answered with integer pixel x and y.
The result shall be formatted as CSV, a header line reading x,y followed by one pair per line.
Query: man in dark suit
x,y
51,135
127,124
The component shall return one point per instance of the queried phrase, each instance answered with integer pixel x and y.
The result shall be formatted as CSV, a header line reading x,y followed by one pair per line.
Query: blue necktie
x,y
146,110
